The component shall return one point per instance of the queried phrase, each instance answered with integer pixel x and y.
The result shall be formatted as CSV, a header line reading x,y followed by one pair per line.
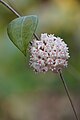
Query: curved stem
x,y
68,94
16,13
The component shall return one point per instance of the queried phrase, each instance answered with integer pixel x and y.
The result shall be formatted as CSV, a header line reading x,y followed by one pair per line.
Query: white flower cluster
x,y
48,53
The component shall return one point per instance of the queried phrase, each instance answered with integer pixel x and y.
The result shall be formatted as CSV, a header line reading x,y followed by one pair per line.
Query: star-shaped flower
x,y
48,53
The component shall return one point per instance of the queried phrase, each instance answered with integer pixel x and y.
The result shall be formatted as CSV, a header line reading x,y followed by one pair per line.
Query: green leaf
x,y
20,31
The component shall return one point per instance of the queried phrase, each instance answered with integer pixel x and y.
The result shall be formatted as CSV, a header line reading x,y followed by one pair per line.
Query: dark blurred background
x,y
25,95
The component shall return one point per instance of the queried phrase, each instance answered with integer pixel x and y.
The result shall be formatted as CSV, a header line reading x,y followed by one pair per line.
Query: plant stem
x,y
68,94
10,8
16,13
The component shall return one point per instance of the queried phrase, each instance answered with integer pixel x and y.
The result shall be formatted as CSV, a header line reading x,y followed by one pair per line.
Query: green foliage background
x,y
59,17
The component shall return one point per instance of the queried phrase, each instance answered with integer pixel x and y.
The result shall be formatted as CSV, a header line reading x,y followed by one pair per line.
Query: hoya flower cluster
x,y
48,53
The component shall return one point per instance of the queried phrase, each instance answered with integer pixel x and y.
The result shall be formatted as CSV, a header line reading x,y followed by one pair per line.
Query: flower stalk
x,y
68,94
